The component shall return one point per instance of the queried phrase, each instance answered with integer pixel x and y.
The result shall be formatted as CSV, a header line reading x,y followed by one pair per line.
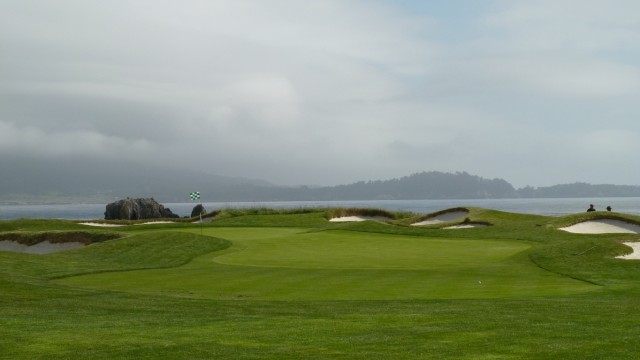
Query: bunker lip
x,y
603,226
635,253
443,217
466,226
99,224
359,218
41,248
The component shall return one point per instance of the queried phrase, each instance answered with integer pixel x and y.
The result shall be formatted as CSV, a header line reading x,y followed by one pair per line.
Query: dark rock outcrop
x,y
198,210
134,209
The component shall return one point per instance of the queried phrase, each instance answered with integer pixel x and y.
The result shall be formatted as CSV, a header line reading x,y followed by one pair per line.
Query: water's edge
x,y
551,207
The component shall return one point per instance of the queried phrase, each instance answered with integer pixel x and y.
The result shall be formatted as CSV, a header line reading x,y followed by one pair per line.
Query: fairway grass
x,y
278,285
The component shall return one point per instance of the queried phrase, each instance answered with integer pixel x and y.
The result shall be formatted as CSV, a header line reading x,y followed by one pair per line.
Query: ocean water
x,y
551,207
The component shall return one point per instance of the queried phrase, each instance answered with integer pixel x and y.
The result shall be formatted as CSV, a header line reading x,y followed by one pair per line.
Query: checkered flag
x,y
195,195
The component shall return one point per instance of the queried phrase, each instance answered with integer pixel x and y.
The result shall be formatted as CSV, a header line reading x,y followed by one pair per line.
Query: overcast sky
x,y
328,91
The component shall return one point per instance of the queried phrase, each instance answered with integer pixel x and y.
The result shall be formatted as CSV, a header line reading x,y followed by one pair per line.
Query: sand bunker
x,y
156,222
117,225
100,224
442,218
43,247
204,220
465,226
359,218
603,226
635,255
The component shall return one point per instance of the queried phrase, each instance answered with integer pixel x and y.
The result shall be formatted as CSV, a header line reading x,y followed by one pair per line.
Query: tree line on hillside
x,y
420,186
80,180
425,185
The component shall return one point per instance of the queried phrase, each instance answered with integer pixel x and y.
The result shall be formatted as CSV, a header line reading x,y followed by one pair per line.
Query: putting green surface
x,y
348,250
293,264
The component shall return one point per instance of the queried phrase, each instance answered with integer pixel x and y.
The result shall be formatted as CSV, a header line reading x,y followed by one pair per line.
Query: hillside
x,y
425,185
84,181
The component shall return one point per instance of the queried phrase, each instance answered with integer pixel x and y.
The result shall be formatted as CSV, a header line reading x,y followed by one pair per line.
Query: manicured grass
x,y
292,285
287,264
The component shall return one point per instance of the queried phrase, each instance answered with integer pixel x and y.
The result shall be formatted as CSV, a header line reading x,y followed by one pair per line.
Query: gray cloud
x,y
326,92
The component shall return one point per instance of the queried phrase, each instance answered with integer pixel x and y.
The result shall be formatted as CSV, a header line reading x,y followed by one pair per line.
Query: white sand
x,y
117,225
204,220
603,226
156,222
635,255
359,218
465,226
442,218
43,247
100,224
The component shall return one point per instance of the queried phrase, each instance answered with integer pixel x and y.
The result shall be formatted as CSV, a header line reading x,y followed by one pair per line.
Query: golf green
x,y
293,264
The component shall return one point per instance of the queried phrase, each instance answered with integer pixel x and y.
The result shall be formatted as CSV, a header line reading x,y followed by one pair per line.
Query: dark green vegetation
x,y
263,283
32,238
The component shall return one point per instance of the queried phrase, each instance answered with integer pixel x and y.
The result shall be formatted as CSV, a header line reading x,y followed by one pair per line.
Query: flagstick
x,y
196,196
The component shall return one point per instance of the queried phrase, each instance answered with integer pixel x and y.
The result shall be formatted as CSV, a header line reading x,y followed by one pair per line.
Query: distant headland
x,y
61,188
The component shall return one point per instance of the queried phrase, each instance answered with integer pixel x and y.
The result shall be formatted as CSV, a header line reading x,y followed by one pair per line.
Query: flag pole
x,y
195,196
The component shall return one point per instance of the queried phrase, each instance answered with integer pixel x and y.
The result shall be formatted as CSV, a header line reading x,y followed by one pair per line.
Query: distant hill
x,y
424,185
83,181
419,186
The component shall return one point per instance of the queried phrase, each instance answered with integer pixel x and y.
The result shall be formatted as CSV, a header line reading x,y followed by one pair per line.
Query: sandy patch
x,y
442,218
635,255
43,247
359,218
465,226
204,220
603,226
117,225
157,222
100,224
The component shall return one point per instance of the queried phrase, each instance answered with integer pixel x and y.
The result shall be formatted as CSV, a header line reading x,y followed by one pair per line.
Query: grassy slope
x,y
43,320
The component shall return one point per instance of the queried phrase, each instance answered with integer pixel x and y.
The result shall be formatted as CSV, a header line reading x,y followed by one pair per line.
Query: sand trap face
x,y
465,226
359,218
603,226
100,224
157,222
442,218
204,220
44,247
118,225
635,255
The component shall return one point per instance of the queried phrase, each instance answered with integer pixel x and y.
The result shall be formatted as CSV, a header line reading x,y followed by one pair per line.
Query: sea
x,y
549,207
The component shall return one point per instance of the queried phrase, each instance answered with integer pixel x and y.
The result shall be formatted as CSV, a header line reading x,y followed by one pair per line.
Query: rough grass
x,y
41,319
32,238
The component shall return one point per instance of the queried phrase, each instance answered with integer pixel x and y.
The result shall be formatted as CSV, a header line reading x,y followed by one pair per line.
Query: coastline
x,y
548,206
